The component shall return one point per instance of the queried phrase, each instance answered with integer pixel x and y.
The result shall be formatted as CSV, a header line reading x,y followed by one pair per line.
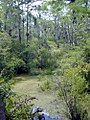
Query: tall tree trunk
x,y
72,42
2,112
19,24
27,34
23,29
5,26
69,33
30,27
5,23
56,32
23,23
86,4
64,33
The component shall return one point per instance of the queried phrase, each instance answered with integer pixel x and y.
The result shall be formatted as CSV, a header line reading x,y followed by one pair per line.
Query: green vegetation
x,y
46,56
31,87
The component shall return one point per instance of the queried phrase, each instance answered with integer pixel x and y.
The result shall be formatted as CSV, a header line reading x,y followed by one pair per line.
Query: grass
x,y
28,85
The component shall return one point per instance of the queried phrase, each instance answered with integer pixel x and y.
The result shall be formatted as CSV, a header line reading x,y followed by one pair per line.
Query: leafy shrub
x,y
16,48
30,52
87,55
72,89
19,109
46,84
35,71
86,52
5,88
85,72
46,59
7,73
5,93
87,76
16,107
33,63
28,55
58,72
2,62
13,67
5,42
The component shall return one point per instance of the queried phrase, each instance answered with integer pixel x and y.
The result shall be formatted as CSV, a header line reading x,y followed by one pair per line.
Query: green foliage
x,y
44,7
37,58
87,76
77,82
2,62
46,85
46,59
18,108
14,66
35,71
46,82
30,57
10,62
72,89
7,73
41,57
16,48
73,86
87,55
80,9
85,72
20,59
18,65
5,89
5,42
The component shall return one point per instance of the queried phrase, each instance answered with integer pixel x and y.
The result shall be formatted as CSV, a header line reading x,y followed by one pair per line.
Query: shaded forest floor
x,y
29,85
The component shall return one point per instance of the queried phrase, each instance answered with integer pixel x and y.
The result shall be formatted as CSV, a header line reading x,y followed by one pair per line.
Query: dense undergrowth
x,y
69,66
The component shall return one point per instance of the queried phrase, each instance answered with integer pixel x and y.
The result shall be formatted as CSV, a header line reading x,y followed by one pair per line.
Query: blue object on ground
x,y
43,114
47,118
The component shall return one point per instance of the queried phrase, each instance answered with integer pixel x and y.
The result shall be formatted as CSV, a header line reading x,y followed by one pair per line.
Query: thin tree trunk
x,y
68,33
27,34
30,27
19,24
71,40
64,34
56,33
86,4
23,23
23,28
5,23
